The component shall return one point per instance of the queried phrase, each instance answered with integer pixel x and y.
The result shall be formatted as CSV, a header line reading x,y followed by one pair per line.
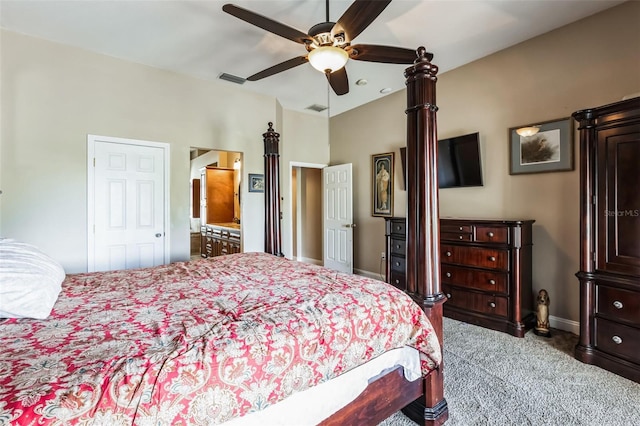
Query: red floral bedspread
x,y
198,342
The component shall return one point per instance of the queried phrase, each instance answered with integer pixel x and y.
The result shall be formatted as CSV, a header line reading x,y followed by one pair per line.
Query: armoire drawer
x,y
495,282
478,302
475,256
617,339
618,304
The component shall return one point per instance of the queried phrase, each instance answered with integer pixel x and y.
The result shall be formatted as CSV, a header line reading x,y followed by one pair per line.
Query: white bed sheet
x,y
313,405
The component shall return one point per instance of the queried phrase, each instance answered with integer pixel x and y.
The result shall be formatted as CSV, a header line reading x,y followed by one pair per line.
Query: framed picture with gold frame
x,y
382,184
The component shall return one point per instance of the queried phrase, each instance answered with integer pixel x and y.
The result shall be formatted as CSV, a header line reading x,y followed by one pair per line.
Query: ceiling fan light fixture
x,y
527,131
329,58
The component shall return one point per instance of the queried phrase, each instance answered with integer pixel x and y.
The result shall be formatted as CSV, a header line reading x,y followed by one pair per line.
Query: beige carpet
x,y
492,378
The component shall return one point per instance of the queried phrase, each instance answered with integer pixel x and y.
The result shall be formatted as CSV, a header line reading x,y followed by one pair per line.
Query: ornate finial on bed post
x,y
423,223
272,232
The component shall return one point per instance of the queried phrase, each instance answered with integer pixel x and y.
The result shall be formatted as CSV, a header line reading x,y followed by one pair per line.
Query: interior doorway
x,y
215,181
306,212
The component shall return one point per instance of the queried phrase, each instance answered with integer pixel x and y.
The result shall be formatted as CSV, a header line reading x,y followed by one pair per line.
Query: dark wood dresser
x,y
609,273
485,268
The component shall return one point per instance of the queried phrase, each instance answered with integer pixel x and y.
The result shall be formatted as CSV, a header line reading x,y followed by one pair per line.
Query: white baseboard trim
x,y
564,324
369,274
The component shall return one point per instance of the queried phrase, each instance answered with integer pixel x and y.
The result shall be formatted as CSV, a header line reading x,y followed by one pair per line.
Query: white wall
x,y
54,95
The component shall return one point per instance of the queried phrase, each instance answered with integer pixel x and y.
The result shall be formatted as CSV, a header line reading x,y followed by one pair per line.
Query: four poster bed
x,y
249,338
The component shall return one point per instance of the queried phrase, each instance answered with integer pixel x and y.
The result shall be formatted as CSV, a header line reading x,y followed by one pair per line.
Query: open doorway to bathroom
x,y
215,182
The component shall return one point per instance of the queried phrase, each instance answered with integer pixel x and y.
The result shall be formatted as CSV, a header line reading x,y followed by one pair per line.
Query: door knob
x,y
158,235
350,225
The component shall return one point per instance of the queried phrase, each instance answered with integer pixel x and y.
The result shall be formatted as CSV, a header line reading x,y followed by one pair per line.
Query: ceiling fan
x,y
328,44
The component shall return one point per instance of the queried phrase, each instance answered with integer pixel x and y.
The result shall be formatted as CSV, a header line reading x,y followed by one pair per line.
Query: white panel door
x,y
129,206
338,223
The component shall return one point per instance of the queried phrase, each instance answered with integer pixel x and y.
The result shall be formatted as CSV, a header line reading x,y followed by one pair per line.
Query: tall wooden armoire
x,y
609,273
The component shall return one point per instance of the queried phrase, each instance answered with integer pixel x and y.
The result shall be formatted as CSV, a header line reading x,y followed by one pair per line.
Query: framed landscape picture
x,y
382,184
549,150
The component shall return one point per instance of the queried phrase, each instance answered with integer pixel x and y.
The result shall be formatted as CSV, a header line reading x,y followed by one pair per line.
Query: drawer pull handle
x,y
461,228
398,246
448,254
492,282
617,339
492,304
397,281
397,263
448,295
492,258
490,234
461,237
448,274
618,304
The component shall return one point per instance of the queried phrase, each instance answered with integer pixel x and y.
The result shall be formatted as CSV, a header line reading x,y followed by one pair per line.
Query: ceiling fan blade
x,y
386,54
282,66
267,24
339,81
358,16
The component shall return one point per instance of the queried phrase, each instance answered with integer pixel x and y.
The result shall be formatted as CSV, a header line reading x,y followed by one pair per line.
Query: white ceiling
x,y
197,38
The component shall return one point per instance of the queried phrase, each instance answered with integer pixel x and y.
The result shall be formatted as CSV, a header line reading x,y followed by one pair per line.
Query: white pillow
x,y
30,281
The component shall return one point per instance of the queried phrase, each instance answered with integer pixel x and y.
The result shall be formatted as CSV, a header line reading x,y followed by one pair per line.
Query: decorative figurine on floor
x,y
542,314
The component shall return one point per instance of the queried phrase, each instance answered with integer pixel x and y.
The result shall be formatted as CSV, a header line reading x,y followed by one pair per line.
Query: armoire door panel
x,y
618,200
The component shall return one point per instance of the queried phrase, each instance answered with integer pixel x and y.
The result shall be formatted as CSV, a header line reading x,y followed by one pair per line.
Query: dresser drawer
x,y
618,304
617,339
456,236
398,247
472,278
467,229
475,256
398,280
398,264
490,234
399,227
478,302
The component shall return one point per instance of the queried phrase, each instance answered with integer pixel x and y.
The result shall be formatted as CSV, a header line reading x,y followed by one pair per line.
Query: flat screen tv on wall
x,y
459,163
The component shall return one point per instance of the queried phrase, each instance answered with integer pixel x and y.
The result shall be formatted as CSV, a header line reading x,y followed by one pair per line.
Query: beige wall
x,y
592,62
54,95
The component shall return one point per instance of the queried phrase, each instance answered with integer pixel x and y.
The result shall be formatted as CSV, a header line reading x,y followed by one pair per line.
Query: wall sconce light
x,y
528,131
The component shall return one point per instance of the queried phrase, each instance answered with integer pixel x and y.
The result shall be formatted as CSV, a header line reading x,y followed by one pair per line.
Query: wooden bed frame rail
x,y
422,400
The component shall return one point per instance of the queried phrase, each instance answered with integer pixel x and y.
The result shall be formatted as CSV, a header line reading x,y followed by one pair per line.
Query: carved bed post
x,y
423,227
272,234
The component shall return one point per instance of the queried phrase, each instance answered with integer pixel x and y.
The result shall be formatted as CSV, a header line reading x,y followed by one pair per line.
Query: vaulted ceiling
x,y
198,39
